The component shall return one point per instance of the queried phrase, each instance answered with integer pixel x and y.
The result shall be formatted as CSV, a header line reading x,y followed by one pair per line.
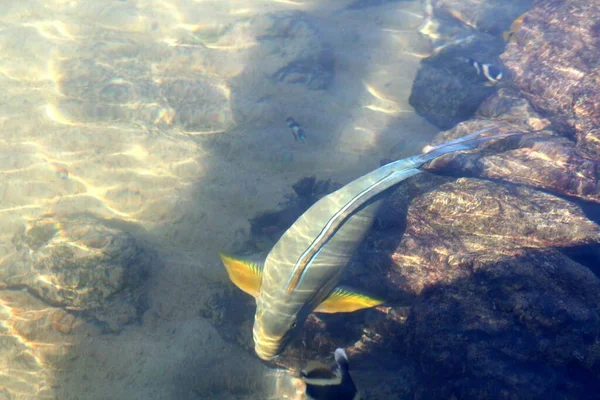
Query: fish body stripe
x,y
303,274
332,226
338,219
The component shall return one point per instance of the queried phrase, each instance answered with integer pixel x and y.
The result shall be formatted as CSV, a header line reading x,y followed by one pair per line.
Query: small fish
x,y
489,71
326,383
509,35
297,130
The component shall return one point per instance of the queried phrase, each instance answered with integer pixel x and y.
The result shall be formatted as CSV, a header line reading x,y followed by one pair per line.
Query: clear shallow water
x,y
165,118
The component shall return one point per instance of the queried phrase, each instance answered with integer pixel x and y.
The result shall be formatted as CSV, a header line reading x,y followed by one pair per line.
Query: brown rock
x,y
542,161
554,61
481,335
507,106
449,227
80,263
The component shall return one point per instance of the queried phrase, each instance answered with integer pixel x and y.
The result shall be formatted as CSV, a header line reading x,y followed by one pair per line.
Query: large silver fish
x,y
301,272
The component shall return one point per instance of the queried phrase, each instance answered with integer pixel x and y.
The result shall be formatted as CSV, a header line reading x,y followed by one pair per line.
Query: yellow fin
x,y
344,299
247,275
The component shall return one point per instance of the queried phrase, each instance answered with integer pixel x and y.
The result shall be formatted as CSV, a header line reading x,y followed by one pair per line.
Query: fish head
x,y
275,327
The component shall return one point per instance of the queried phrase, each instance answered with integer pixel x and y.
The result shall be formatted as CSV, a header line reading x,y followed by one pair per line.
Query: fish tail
x,y
468,142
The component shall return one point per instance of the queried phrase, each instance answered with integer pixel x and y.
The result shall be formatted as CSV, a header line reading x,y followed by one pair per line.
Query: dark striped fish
x,y
301,272
490,72
325,383
297,131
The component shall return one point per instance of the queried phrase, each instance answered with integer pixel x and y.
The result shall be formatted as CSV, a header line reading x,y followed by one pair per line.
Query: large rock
x,y
447,90
81,264
539,158
547,162
554,60
104,84
495,307
521,327
509,313
450,226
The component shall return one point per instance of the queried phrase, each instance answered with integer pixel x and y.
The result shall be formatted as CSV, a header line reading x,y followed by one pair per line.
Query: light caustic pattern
x,y
99,113
28,355
104,105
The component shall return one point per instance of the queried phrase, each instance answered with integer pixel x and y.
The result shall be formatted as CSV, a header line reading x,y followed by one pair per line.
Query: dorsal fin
x,y
245,274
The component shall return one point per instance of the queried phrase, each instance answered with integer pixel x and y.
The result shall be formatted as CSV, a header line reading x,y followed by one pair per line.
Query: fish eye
x,y
294,324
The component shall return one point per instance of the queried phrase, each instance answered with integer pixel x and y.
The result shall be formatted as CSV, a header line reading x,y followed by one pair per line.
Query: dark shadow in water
x,y
233,311
589,256
506,329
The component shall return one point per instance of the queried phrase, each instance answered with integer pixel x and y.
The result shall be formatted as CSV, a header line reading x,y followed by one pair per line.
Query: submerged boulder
x,y
457,222
554,61
523,326
543,161
482,298
82,264
540,158
447,90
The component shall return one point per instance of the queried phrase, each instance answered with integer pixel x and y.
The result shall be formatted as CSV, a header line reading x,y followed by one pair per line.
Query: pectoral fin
x,y
344,299
245,274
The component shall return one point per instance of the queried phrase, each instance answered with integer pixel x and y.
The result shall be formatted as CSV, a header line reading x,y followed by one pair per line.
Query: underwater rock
x,y
95,89
540,160
506,106
447,89
524,326
554,60
493,17
480,299
495,308
469,219
81,264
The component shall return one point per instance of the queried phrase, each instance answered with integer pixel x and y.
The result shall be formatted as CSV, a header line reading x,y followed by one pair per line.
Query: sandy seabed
x,y
165,115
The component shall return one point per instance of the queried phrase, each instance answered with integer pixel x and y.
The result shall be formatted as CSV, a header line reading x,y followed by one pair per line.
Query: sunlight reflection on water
x,y
164,115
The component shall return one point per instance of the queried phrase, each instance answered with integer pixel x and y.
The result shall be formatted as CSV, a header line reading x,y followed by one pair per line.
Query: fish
x,y
326,383
302,271
297,131
490,72
509,35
